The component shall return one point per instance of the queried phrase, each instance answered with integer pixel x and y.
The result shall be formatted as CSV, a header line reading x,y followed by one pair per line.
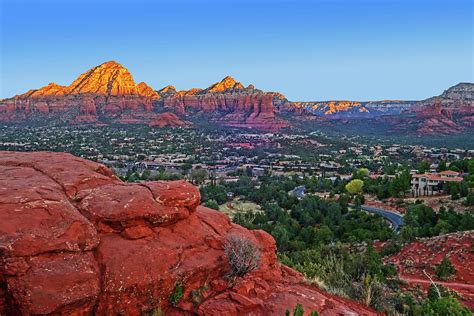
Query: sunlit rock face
x,y
108,94
104,93
75,240
108,79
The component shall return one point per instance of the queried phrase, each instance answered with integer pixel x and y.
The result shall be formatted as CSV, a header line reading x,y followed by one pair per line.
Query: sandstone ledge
x,y
76,240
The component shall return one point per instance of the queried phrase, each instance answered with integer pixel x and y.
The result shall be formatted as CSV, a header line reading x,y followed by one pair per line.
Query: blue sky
x,y
308,50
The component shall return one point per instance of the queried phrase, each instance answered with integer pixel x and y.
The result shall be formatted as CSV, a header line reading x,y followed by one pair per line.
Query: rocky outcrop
x,y
451,112
109,78
167,91
349,109
105,93
167,119
229,103
228,84
76,240
108,94
145,90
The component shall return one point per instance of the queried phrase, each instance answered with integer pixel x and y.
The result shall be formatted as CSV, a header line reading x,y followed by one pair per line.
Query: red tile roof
x,y
437,177
449,172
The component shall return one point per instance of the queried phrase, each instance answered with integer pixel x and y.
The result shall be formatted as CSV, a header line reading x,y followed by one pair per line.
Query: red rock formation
x,y
167,119
145,90
451,112
228,84
108,93
166,91
109,78
229,103
76,240
106,90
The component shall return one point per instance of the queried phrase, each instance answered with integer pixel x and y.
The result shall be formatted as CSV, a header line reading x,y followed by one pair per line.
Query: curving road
x,y
394,218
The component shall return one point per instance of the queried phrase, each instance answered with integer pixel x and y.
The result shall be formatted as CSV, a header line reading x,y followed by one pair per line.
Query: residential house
x,y
432,183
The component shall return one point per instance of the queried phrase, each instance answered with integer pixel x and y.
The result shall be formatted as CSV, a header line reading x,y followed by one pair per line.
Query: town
x,y
222,154
321,197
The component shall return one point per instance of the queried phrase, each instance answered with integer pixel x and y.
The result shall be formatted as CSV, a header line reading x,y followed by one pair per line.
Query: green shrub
x,y
299,310
443,306
445,269
177,294
212,204
470,199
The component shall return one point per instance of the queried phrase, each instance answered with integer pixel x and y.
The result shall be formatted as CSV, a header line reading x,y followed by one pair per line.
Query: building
x,y
432,183
258,171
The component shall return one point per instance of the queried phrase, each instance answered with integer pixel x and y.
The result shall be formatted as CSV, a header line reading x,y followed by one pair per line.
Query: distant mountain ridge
x,y
107,94
353,109
452,111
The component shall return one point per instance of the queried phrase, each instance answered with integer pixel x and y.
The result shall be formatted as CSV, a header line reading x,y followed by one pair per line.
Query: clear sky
x,y
308,50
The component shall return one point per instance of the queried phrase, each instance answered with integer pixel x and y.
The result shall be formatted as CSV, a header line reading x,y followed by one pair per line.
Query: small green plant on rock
x,y
177,294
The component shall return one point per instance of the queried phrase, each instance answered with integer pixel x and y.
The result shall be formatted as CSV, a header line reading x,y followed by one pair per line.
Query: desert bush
x,y
243,255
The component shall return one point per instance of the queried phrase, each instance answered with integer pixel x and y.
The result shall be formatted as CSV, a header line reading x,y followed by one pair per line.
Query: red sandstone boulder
x,y
37,217
76,240
120,206
62,283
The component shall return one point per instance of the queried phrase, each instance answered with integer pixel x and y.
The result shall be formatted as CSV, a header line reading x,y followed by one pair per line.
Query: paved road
x,y
394,218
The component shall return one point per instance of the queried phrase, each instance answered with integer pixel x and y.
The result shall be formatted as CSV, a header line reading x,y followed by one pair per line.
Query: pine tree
x,y
298,311
445,269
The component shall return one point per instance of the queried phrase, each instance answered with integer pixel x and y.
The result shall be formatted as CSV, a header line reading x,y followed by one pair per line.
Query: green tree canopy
x,y
355,186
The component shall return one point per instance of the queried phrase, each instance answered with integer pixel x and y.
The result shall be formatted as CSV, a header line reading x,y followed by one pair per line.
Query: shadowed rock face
x,y
167,119
76,240
229,103
451,112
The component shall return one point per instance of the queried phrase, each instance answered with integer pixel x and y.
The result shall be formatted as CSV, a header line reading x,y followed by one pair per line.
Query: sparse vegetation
x,y
196,295
242,254
176,295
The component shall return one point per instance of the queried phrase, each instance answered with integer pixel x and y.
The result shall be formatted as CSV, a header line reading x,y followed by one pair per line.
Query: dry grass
x,y
239,206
